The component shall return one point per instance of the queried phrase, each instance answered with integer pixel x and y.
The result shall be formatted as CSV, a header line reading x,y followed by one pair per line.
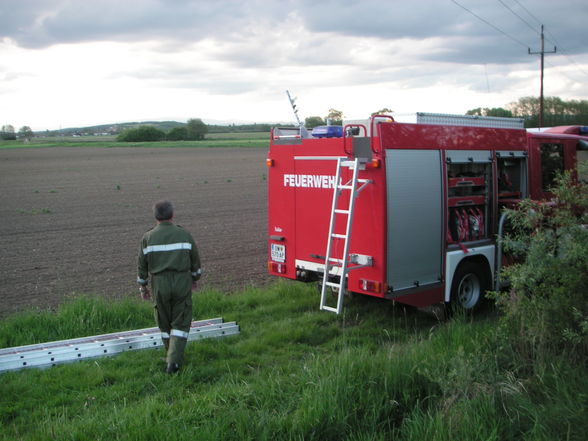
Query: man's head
x,y
163,210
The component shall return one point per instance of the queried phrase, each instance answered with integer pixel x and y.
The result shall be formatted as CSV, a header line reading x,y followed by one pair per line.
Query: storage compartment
x,y
414,184
469,196
512,176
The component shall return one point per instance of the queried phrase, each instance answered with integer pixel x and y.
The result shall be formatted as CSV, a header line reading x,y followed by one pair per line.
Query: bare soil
x,y
71,218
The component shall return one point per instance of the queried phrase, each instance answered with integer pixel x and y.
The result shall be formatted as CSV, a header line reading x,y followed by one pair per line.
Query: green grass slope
x,y
220,140
378,372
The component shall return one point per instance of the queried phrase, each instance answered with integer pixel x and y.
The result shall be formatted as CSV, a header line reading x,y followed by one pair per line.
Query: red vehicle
x,y
409,212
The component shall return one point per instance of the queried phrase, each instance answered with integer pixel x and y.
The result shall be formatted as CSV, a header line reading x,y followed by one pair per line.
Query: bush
x,y
177,134
7,136
140,134
196,129
546,309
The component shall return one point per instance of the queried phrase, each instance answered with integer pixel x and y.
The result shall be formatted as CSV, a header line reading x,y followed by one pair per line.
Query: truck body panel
x,y
432,201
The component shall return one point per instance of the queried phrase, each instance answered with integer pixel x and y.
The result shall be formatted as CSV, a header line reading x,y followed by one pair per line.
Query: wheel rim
x,y
468,291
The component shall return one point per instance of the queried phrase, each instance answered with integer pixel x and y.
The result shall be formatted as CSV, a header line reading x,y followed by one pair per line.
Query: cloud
x,y
42,23
223,52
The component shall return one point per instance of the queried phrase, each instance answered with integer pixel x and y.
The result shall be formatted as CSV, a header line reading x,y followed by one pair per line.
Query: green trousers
x,y
172,292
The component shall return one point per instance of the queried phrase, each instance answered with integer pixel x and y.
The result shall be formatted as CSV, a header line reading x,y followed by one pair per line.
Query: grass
x,y
33,211
378,372
247,139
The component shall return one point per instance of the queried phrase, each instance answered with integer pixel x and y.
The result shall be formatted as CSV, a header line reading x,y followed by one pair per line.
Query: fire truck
x,y
410,212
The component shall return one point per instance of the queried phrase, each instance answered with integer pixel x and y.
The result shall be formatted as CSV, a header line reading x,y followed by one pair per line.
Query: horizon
x,y
66,66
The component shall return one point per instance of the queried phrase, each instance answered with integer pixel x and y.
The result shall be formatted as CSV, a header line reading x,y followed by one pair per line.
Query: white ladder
x,y
44,355
342,266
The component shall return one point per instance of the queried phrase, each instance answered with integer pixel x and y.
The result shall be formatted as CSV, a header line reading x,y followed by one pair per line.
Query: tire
x,y
469,286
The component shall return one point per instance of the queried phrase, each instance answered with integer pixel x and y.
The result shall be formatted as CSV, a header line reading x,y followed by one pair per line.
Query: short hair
x,y
163,210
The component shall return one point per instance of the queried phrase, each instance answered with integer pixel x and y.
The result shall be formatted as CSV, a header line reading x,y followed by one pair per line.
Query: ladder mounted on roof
x,y
340,267
44,355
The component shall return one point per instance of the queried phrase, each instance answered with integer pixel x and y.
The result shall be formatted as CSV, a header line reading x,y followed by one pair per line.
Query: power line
x,y
520,18
562,50
552,37
527,11
573,62
520,43
564,73
491,25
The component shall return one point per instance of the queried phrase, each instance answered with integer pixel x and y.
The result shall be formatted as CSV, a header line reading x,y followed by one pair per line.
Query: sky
x,y
75,63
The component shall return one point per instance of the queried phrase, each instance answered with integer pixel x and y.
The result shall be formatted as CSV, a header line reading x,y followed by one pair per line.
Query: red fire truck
x,y
403,211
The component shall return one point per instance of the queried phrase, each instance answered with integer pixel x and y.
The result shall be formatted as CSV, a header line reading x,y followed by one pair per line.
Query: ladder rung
x,y
64,351
332,262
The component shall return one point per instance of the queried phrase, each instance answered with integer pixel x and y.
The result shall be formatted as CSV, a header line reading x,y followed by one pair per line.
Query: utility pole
x,y
542,53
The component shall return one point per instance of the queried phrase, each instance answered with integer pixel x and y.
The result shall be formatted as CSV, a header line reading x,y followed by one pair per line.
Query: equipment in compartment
x,y
467,202
511,176
465,224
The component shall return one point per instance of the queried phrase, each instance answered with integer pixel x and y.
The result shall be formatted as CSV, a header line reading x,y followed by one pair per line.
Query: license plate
x,y
278,252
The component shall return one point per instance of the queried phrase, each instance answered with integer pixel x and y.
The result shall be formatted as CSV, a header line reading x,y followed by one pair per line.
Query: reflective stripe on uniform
x,y
178,333
164,335
168,247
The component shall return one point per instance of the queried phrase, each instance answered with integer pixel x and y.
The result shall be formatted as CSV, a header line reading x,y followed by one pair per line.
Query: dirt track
x,y
71,218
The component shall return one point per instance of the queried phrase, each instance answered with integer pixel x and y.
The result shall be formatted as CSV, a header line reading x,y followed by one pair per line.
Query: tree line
x,y
8,133
194,130
557,112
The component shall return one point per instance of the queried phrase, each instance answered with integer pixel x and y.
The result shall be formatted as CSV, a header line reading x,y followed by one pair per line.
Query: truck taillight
x,y
370,285
269,162
374,163
277,267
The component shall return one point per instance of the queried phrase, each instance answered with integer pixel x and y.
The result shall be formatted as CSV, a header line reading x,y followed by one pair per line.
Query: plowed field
x,y
71,218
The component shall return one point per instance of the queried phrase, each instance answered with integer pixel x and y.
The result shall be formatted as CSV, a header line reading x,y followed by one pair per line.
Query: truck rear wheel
x,y
470,283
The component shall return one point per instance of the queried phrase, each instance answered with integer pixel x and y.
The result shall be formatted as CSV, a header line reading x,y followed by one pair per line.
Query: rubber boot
x,y
175,353
165,347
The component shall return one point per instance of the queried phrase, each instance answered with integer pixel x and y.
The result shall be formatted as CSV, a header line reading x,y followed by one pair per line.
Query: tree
x,y
313,121
25,132
140,134
556,111
196,129
384,111
335,117
7,133
495,111
177,134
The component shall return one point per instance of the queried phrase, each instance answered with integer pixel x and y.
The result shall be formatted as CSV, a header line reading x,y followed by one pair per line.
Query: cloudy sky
x,y
70,63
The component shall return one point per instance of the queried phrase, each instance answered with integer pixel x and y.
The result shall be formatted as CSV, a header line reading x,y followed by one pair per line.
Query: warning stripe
x,y
168,247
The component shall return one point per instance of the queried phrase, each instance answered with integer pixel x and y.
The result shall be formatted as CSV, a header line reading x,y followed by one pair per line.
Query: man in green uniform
x,y
168,253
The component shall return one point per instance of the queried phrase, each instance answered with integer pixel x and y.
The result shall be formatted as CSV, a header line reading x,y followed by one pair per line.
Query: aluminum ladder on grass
x,y
341,266
45,355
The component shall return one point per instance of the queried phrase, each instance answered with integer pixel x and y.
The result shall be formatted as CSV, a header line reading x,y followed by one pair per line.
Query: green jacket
x,y
167,247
